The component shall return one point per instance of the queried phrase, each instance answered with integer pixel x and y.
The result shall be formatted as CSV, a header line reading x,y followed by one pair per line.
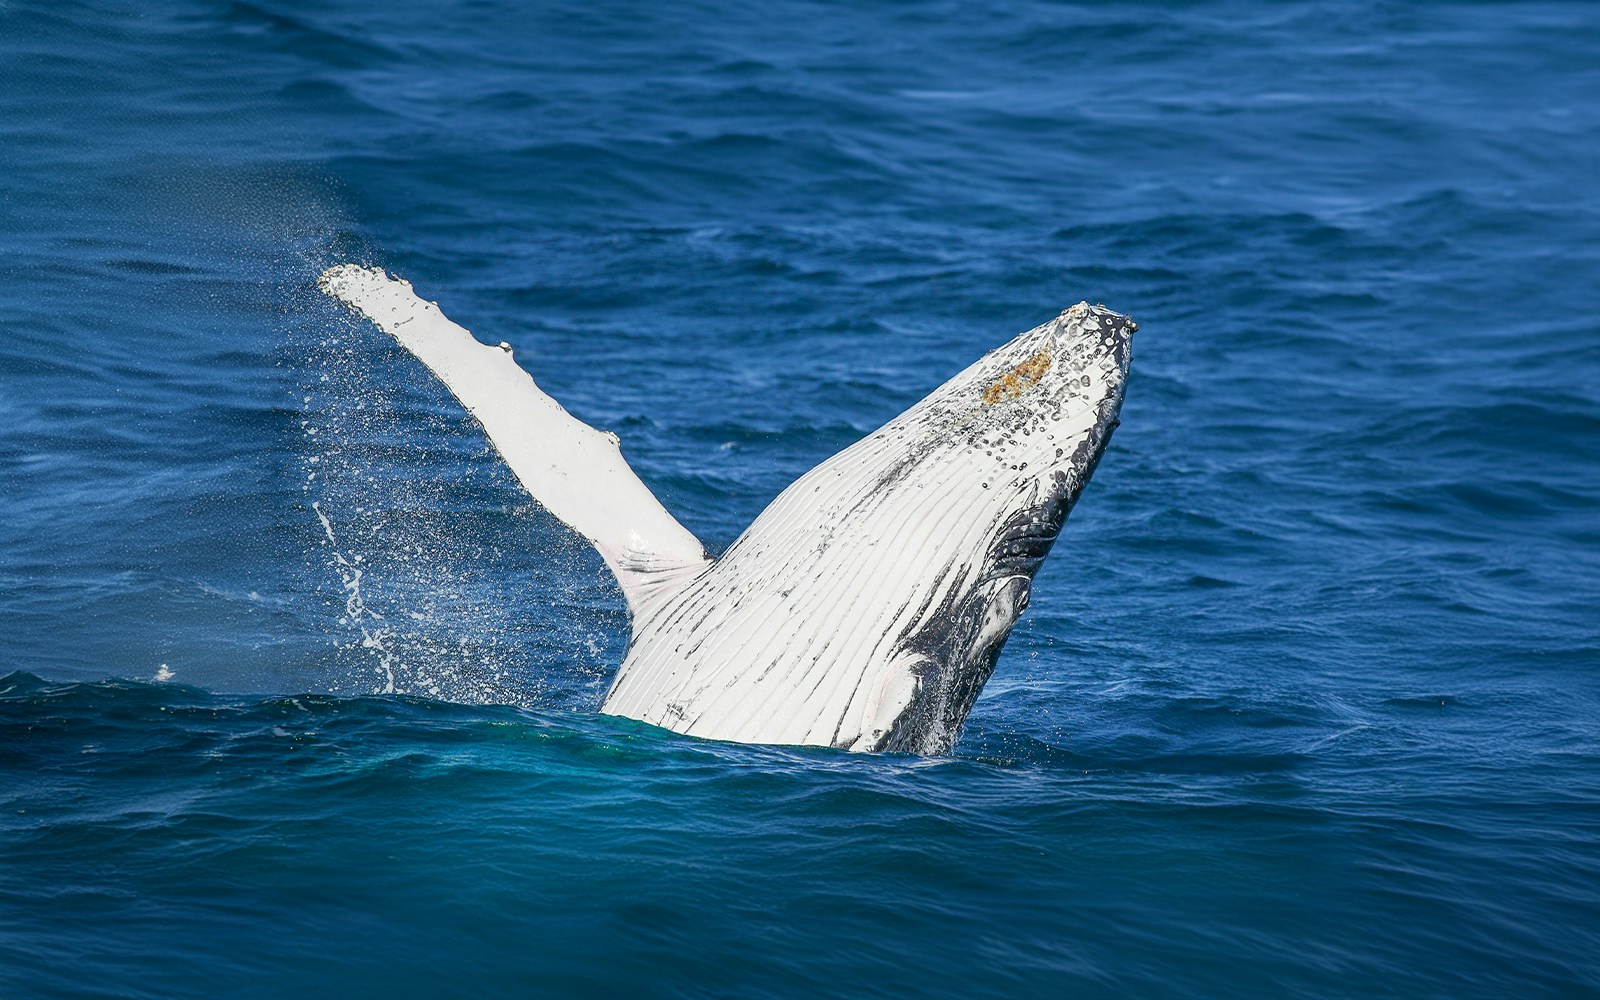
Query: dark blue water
x,y
1307,700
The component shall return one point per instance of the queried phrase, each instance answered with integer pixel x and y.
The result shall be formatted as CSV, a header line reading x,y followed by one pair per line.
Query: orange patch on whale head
x,y
1018,380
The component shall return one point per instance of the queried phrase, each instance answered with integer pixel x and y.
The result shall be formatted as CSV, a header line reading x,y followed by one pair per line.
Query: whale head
x,y
1013,439
866,606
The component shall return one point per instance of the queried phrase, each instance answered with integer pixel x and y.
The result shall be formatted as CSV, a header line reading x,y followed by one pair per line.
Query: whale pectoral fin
x,y
575,471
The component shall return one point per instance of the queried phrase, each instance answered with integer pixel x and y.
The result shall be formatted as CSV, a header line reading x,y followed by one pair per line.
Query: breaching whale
x,y
866,606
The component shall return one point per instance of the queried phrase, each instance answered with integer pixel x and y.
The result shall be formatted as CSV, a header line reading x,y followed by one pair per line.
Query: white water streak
x,y
377,637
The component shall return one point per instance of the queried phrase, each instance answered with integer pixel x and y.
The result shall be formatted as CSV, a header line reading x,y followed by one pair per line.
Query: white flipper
x,y
576,472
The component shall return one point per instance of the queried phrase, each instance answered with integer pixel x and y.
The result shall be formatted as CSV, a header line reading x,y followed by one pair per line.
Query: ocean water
x,y
297,690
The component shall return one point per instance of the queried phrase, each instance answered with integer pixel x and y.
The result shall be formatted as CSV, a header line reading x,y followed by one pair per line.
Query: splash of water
x,y
451,584
356,613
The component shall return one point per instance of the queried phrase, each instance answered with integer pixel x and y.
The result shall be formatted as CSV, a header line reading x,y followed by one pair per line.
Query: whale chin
x,y
866,607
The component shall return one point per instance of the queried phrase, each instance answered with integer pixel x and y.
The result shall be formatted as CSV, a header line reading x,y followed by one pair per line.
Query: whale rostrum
x,y
866,606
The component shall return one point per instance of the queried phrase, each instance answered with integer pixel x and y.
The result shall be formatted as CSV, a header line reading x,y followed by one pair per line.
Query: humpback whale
x,y
866,606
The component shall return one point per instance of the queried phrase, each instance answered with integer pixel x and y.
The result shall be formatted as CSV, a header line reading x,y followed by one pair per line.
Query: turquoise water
x,y
1306,700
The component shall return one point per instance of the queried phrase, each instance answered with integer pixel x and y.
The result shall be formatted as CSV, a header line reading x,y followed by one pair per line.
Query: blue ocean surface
x,y
298,689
